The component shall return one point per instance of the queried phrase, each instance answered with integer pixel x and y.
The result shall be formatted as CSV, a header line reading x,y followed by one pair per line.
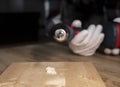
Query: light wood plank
x,y
64,74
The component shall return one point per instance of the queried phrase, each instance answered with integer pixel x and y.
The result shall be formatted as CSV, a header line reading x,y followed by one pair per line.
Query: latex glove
x,y
86,42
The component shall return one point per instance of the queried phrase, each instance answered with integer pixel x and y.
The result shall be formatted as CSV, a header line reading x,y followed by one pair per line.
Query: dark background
x,y
20,20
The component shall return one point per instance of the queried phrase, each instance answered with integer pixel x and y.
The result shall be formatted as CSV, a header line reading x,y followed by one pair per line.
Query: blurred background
x,y
19,20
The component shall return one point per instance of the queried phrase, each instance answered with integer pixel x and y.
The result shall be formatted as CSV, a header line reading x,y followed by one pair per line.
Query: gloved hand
x,y
86,42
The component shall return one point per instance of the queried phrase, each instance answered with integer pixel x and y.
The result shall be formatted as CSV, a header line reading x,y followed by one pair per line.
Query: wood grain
x,y
108,66
68,74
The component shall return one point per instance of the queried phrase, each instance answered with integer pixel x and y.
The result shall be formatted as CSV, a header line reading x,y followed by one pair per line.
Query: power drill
x,y
62,32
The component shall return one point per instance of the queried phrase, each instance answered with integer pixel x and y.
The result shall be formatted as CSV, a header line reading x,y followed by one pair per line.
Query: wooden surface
x,y
51,74
107,66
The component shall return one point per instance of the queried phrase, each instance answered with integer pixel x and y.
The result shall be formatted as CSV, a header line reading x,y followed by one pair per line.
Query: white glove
x,y
87,41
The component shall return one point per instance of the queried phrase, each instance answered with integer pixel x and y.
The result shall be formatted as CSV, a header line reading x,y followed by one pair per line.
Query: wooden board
x,y
51,74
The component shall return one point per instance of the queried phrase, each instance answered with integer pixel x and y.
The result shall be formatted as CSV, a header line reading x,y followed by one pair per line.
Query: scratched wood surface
x,y
107,66
51,74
